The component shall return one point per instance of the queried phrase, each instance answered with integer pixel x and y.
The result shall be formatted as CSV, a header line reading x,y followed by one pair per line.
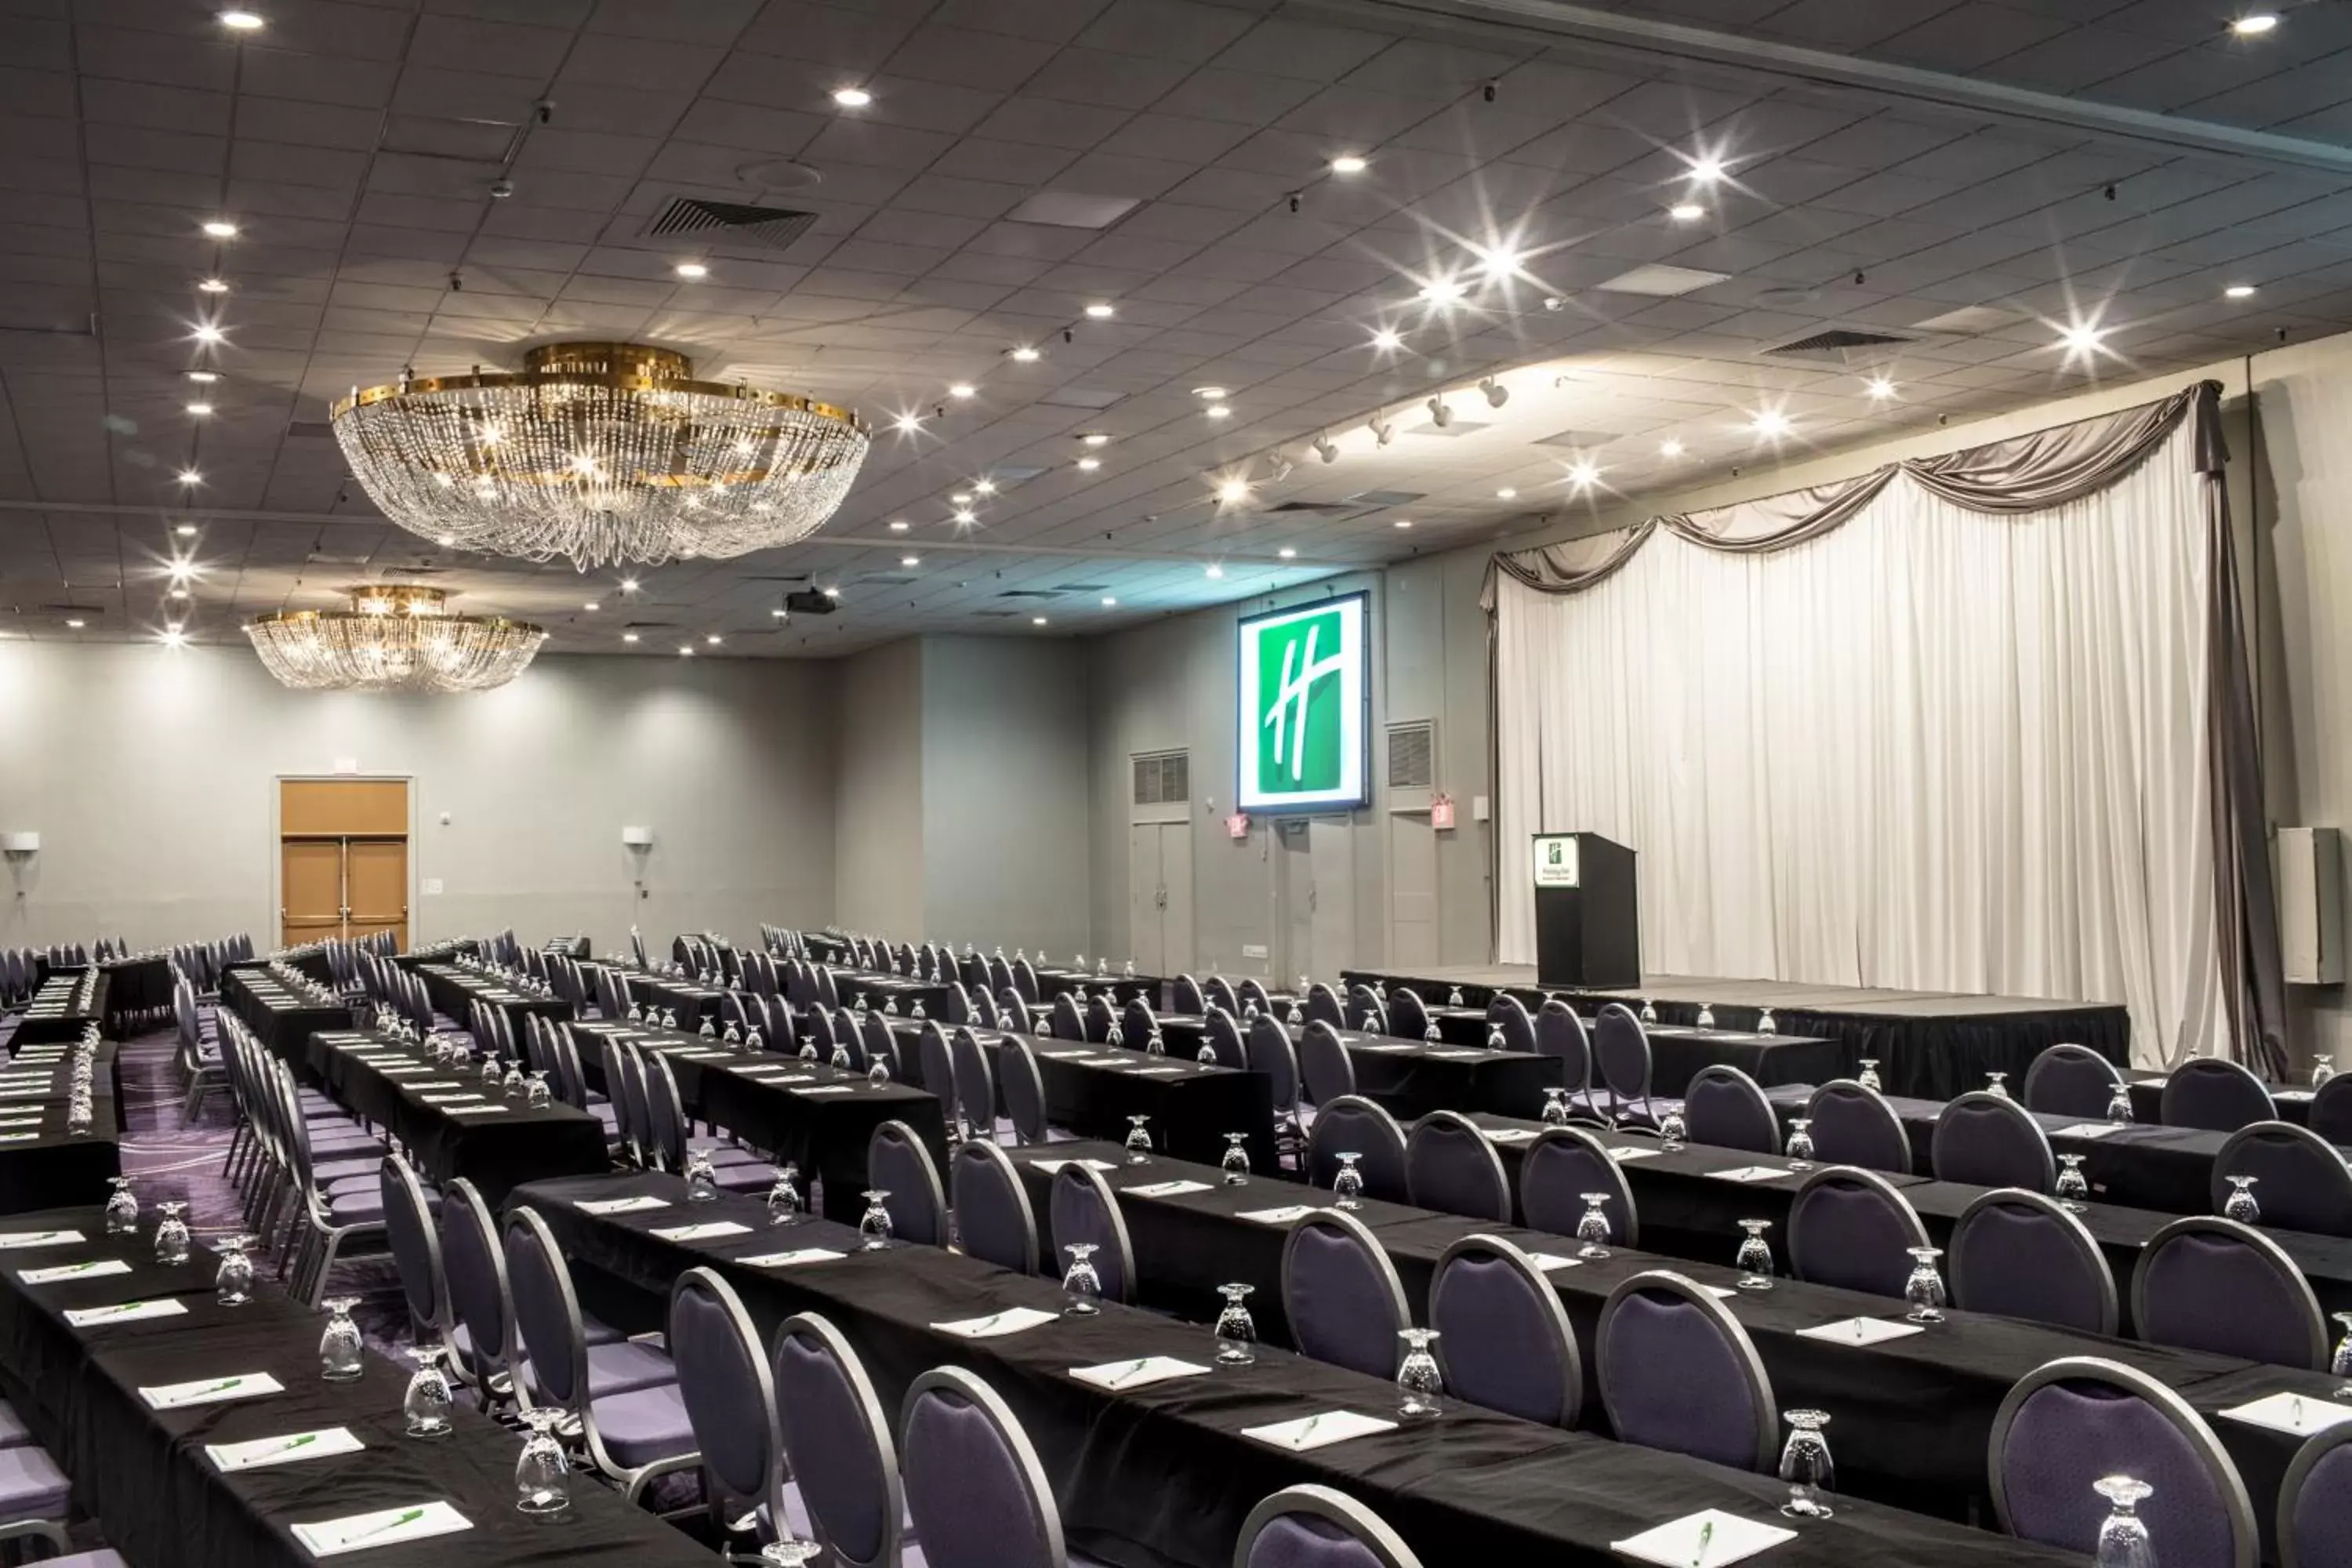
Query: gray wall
x,y
878,792
151,776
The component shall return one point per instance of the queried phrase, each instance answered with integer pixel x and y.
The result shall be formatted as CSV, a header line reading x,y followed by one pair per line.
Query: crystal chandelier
x,y
602,452
396,638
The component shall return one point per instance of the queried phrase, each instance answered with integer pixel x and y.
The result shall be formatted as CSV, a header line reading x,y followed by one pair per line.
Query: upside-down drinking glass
x,y
1418,1383
874,1225
1805,1464
1754,1260
1081,1285
1869,1079
1555,1108
2073,1185
1235,1164
2342,1365
2241,1205
122,1207
1996,1085
537,1094
1924,1288
1672,1130
2123,1536
1236,1331
172,1234
2119,1105
340,1359
1592,1227
879,1074
233,1282
542,1473
1139,1140
789,1553
1347,1183
427,1403
1800,1144
701,1177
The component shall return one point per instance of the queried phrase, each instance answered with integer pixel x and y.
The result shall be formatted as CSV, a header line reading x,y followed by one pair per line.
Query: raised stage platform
x,y
1929,1044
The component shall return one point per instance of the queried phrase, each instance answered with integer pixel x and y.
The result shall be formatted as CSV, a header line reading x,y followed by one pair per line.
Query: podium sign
x,y
1588,912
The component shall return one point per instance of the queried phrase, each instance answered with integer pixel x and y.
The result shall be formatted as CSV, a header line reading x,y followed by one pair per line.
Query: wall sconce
x,y
20,845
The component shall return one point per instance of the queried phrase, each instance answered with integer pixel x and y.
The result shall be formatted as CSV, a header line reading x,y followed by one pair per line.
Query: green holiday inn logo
x,y
1302,719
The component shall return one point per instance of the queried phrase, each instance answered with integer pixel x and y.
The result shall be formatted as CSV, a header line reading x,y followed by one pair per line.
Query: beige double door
x,y
342,859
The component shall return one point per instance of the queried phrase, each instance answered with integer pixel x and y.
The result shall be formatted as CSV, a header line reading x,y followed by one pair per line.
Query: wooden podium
x,y
1588,912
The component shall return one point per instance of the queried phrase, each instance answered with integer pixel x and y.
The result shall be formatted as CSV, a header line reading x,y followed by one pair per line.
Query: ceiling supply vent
x,y
1030,593
1086,587
992,614
1969,319
1378,499
1412,756
1662,282
766,228
882,580
309,430
1315,508
1835,343
1163,778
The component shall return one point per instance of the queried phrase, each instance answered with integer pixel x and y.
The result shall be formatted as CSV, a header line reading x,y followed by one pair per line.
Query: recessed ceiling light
x,y
1288,553
221,228
628,584
190,477
1498,261
852,96
712,639
187,530
213,286
911,560
75,625
2081,338
1881,387
1233,490
832,593
1109,603
1707,171
592,607
985,487
780,613
1214,570
208,333
1441,291
179,591
2255,24
959,498
1507,493
1584,475
1771,422
692,269
907,424
1095,438
629,637
1686,212
174,635
898,525
1088,465
1102,310
1213,393
2240,291
1386,339
1218,411
1036,620
203,377
962,389
686,650
966,518
1404,522
1348,163
241,21
1670,447
1026,354
200,409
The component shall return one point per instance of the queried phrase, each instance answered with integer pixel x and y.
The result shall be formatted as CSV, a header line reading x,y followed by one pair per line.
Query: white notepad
x,y
449,1099
787,1259
1161,1072
831,1089
124,1312
2299,1414
1318,1431
1283,1215
1141,1372
1708,1539
385,1527
2091,1129
996,1325
1548,1261
710,1232
1859,1331
211,1390
96,1269
1512,1134
18,1137
1632,1151
1168,1189
1050,1166
1749,1174
623,1205
291,1449
477,1110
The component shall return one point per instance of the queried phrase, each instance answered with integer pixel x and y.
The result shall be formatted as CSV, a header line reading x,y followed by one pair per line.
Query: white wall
x,y
151,776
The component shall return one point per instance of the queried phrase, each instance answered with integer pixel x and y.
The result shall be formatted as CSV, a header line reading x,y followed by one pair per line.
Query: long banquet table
x,y
42,1161
145,1477
281,1019
1162,1476
65,1004
451,990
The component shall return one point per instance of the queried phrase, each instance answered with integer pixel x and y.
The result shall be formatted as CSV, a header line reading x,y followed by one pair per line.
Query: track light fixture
x,y
1383,429
1324,448
1441,413
1497,392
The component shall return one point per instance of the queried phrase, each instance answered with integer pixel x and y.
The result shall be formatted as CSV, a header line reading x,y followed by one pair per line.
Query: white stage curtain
x,y
1932,749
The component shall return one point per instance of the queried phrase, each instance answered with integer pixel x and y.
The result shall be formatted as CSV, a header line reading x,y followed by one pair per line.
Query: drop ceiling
x,y
356,145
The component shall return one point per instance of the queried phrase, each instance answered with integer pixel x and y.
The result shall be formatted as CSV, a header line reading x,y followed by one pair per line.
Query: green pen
x,y
1307,1431
407,1516
291,1443
79,1267
221,1387
1129,1369
1705,1540
985,1324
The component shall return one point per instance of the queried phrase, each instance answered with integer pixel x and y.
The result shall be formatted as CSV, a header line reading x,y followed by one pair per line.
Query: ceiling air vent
x,y
1376,499
770,229
1411,760
310,431
1835,343
1312,508
1030,593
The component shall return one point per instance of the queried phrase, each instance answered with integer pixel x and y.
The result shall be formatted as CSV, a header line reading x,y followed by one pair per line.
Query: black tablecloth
x,y
42,1165
144,1475
282,1020
138,991
1412,1078
1912,1417
494,1151
1093,1089
62,1006
452,991
825,1133
1161,1477
691,1002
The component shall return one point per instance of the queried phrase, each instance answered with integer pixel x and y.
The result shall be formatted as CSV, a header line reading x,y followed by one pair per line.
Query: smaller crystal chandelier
x,y
393,638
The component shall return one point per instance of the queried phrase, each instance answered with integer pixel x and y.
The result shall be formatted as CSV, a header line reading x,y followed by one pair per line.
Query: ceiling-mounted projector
x,y
811,602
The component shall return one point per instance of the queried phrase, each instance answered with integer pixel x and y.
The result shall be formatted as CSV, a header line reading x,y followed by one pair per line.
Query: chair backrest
x,y
2020,1254
848,1039
1323,1003
665,1110
1014,1014
1363,1010
724,1380
1323,1061
1069,1024
1252,992
1621,1049
1678,1373
975,1084
1188,997
2216,1094
1408,1018
415,1248
1507,1016
1024,1086
2330,1112
1315,1527
2205,1283
820,1032
897,1163
1560,1167
1450,1167
994,1220
1137,1023
2300,1182
1225,1038
1341,1294
984,1011
956,1007
1723,1108
2314,1508
1219,990
1271,1053
1102,1018
836,1443
976,1493
1987,1140
2070,1080
1560,1035
1853,1125
1851,1228
880,1045
1504,1340
1085,1209
2066,1424
546,1310
1025,979
1354,1125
